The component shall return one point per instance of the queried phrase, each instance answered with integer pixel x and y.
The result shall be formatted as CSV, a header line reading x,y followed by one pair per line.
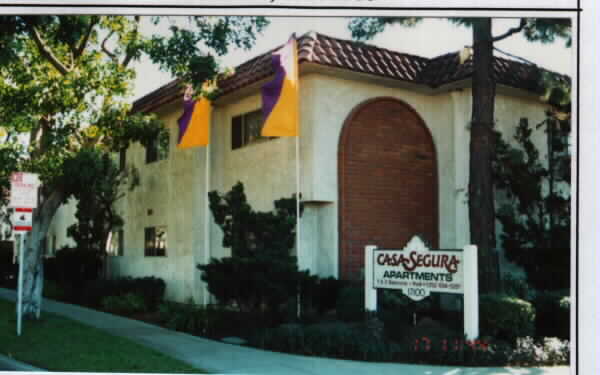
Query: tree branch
x,y
86,38
511,31
103,45
131,51
46,52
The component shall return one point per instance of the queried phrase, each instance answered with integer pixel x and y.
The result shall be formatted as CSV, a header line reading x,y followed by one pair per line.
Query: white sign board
x,y
418,271
24,190
22,219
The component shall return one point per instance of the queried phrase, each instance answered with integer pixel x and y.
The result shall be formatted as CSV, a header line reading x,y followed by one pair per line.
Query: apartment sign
x,y
24,190
418,271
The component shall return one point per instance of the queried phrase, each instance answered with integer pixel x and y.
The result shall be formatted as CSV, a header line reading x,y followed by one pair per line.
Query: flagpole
x,y
207,217
299,253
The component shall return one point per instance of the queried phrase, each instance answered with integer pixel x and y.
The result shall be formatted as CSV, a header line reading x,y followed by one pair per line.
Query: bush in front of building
x,y
150,289
71,269
261,274
350,304
8,269
505,318
553,317
129,303
334,340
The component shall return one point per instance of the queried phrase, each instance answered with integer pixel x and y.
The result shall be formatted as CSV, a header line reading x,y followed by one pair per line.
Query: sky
x,y
432,37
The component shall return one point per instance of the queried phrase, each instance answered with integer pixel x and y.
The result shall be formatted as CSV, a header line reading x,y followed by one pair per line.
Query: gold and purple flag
x,y
194,124
280,96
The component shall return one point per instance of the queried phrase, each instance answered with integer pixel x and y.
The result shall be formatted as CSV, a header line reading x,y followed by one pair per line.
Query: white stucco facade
x,y
173,191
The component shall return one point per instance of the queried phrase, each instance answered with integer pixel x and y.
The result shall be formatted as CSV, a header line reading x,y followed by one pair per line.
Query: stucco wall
x,y
168,195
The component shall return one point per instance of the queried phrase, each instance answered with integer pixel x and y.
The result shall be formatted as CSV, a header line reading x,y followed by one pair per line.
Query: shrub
x,y
125,304
516,287
336,340
54,291
350,305
326,294
150,289
266,273
211,321
505,318
549,352
552,314
8,270
72,268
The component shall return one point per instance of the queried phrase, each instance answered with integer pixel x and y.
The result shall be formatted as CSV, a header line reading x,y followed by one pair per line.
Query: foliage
x,y
265,272
506,318
8,270
72,268
211,321
96,183
336,340
151,289
125,304
516,287
544,30
551,351
350,304
535,213
553,314
66,86
53,290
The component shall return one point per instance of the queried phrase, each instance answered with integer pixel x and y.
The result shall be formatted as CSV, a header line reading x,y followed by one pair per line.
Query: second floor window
x,y
158,149
246,128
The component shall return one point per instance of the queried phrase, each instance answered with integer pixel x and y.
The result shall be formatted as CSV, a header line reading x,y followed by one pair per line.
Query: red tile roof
x,y
364,58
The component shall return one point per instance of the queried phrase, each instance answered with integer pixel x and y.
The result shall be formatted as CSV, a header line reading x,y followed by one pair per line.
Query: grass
x,y
59,344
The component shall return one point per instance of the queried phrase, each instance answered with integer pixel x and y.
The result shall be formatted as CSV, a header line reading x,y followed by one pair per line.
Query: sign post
x,y
419,271
23,198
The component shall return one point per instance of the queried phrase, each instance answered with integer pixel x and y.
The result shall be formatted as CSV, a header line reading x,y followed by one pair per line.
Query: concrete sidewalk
x,y
225,358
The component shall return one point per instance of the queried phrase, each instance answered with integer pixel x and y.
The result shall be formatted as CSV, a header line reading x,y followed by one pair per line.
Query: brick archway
x,y
388,184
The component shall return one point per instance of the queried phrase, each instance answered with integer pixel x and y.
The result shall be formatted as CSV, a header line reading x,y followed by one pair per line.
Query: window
x,y
246,128
158,149
155,241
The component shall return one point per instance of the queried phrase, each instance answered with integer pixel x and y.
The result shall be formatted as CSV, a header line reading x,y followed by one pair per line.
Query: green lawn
x,y
59,344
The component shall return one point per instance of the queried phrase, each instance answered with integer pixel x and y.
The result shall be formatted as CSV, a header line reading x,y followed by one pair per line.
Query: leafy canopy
x,y
66,81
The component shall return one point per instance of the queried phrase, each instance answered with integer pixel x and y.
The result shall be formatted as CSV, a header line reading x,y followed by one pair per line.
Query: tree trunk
x,y
481,195
33,265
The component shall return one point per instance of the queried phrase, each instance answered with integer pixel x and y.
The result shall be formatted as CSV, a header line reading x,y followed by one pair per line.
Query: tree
x,y
261,242
65,84
481,195
536,213
96,183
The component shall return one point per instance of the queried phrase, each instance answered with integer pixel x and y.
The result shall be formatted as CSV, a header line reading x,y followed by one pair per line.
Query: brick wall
x,y
388,181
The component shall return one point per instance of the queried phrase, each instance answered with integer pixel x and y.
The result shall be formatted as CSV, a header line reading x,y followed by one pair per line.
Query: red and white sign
x,y
418,271
22,219
24,190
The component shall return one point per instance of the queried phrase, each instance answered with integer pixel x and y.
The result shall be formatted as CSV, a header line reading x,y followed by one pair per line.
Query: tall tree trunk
x,y
33,265
481,195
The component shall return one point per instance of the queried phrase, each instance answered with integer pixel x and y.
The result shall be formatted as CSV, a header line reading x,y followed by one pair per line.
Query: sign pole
x,y
370,291
20,286
471,296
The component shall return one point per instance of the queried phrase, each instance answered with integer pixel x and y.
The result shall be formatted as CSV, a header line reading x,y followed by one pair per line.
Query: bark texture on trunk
x,y
481,195
33,265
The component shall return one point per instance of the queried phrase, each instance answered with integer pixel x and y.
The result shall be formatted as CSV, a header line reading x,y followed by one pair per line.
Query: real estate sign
x,y
418,271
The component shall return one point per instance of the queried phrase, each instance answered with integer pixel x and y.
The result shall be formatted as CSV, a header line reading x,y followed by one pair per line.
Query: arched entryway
x,y
388,184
